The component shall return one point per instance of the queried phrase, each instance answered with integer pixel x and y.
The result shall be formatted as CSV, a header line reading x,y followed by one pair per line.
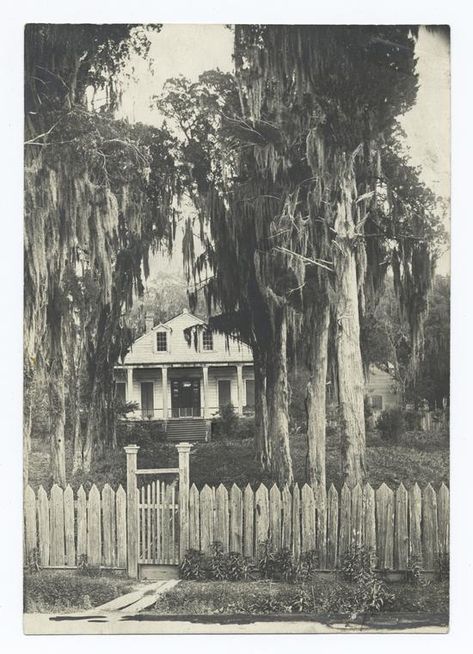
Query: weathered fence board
x,y
401,535
385,527
94,532
296,521
221,516
69,526
345,522
369,519
30,522
308,519
81,525
108,523
261,515
332,527
430,546
194,518
206,519
236,519
248,522
120,499
56,524
356,516
43,526
443,510
275,517
321,505
286,518
415,522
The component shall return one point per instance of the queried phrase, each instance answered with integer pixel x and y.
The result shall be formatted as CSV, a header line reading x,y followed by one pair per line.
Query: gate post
x,y
184,455
132,518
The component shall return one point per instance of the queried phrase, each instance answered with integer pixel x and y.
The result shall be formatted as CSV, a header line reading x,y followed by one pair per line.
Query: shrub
x,y
193,566
230,426
391,424
367,593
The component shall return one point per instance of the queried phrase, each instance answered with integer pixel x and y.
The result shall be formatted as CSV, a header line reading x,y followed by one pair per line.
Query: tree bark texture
x,y
57,408
316,400
262,443
278,402
348,352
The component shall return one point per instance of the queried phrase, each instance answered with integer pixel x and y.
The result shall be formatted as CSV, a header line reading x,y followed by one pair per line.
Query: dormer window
x,y
161,342
207,339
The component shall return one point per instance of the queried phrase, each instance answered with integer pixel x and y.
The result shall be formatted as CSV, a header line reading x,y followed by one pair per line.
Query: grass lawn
x,y
418,457
268,597
61,591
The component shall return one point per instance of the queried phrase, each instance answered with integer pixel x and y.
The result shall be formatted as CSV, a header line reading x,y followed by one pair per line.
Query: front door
x,y
224,393
147,400
185,398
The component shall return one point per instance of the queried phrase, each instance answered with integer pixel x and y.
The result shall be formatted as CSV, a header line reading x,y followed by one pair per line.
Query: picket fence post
x,y
132,532
184,456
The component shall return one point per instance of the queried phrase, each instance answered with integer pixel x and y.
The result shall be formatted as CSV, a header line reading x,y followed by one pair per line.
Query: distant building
x,y
382,390
183,379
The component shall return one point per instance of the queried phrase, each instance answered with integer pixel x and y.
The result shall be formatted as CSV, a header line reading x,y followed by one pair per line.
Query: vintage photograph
x,y
236,328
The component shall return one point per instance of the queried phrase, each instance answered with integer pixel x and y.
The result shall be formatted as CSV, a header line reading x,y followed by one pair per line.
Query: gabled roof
x,y
185,312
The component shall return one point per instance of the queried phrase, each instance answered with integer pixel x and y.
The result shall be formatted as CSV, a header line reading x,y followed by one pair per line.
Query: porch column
x,y
164,382
240,388
129,384
205,387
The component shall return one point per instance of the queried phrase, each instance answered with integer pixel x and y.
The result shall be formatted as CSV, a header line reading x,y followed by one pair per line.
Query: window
x,y
377,402
120,392
207,340
161,342
250,393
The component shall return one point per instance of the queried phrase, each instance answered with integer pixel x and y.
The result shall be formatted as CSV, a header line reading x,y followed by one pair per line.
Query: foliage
x,y
98,196
192,566
443,567
369,593
217,566
415,569
391,424
53,590
230,426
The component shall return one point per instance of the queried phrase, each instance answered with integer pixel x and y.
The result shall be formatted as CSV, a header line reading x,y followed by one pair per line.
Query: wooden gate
x,y
158,510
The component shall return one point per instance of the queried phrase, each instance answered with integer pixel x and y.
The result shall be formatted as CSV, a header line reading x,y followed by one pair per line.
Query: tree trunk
x,y
263,452
57,407
278,404
316,400
348,352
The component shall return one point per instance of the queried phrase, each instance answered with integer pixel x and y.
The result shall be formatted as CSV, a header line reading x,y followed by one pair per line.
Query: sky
x,y
188,50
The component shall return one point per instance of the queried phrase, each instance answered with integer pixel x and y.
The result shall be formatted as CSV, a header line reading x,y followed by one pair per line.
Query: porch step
x,y
191,429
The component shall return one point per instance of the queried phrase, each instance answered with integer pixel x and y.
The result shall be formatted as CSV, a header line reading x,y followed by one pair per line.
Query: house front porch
x,y
179,392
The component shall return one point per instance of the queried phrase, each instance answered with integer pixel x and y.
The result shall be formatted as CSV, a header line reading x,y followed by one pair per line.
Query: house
x,y
382,390
181,373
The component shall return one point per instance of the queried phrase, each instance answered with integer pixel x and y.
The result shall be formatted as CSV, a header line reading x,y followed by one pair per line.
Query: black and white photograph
x,y
236,328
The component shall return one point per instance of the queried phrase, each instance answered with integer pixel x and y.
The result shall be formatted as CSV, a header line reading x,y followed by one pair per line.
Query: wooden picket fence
x,y
62,529
396,525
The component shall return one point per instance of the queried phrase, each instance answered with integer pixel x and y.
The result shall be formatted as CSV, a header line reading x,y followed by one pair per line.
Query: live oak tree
x,y
336,91
98,195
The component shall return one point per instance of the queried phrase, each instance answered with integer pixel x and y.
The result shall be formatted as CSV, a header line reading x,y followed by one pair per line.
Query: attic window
x,y
161,342
207,340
